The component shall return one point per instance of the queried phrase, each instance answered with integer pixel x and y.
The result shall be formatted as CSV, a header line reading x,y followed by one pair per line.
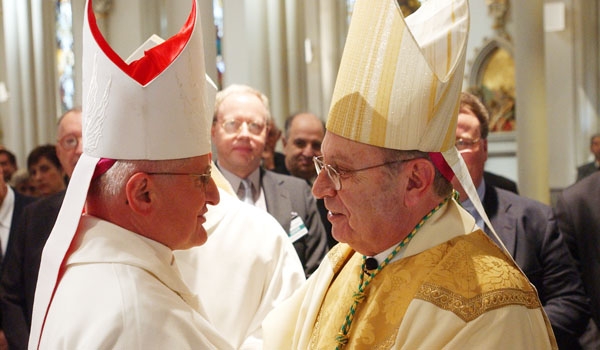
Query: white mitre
x,y
157,107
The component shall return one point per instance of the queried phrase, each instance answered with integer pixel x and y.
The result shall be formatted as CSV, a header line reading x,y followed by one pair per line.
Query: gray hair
x,y
441,185
112,183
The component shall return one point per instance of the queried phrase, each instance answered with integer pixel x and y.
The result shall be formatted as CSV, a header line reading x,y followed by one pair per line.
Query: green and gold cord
x,y
359,295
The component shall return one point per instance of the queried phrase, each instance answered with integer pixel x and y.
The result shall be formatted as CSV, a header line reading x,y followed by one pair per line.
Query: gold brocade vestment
x,y
466,276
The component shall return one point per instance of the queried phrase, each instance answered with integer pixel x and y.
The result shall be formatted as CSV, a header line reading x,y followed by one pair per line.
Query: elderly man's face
x,y
183,204
69,146
368,208
239,133
302,144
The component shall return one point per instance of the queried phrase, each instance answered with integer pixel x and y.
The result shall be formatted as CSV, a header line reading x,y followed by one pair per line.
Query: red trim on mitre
x,y
102,166
440,163
155,60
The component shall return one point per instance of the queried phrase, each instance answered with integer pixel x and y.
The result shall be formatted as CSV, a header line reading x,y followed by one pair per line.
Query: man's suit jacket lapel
x,y
277,199
505,223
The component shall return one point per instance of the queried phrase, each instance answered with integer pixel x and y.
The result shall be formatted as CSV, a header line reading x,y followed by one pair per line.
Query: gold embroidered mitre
x,y
399,80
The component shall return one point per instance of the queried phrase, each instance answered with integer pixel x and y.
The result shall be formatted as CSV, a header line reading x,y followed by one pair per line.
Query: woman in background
x,y
45,171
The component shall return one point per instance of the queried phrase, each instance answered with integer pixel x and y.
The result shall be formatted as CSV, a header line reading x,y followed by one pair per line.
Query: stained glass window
x,y
218,14
65,58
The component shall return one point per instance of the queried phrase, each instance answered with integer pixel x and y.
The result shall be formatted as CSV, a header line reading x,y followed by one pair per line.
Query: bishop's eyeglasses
x,y
200,180
336,175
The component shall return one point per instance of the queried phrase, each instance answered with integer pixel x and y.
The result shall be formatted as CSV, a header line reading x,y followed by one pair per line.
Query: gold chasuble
x,y
441,276
451,288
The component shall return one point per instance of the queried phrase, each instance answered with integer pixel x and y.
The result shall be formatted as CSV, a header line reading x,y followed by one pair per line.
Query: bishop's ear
x,y
421,173
138,191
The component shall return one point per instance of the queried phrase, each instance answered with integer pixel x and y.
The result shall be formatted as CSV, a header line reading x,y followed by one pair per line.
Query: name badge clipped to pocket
x,y
297,228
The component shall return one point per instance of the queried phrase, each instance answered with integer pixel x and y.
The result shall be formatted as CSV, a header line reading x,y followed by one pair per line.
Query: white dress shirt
x,y
6,212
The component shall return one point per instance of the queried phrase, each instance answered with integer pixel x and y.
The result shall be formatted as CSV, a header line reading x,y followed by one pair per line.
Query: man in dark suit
x,y
19,275
591,167
11,207
500,182
303,135
578,216
528,230
239,135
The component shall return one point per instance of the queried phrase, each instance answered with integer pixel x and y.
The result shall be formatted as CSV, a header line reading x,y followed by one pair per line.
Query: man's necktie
x,y
247,192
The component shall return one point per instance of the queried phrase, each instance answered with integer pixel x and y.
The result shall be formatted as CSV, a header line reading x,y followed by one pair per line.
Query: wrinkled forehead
x,y
307,126
468,122
243,105
336,148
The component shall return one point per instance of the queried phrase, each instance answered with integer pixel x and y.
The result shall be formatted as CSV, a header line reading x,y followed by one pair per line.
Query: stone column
x,y
532,127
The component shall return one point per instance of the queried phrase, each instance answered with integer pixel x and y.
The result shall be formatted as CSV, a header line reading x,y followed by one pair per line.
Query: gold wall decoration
x,y
498,9
492,79
492,73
